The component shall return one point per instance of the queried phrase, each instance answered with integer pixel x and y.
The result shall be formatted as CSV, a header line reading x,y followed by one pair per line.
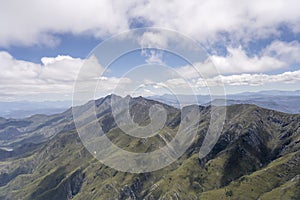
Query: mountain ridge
x,y
253,141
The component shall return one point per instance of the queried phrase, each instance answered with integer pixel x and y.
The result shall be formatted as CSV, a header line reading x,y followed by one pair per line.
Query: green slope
x,y
257,156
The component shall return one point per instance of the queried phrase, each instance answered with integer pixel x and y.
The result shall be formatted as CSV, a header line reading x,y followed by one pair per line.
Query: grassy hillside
x,y
256,157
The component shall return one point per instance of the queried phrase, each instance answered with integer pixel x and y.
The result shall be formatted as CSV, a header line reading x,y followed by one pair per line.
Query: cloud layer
x,y
38,22
276,56
57,75
233,23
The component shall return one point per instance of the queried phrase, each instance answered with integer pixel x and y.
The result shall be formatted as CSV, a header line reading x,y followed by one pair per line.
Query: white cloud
x,y
253,79
237,61
153,56
261,79
278,55
286,51
150,43
54,76
57,75
35,22
204,19
153,40
203,69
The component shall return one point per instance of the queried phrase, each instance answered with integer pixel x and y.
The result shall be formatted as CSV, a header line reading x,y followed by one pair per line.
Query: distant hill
x,y
22,109
271,93
283,101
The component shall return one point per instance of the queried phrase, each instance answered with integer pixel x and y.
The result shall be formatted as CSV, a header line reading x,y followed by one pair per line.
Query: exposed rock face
x,y
73,185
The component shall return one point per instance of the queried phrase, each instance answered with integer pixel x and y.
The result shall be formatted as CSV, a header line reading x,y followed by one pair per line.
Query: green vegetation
x,y
257,157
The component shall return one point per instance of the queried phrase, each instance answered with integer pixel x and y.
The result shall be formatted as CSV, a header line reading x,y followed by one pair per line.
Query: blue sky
x,y
255,45
77,46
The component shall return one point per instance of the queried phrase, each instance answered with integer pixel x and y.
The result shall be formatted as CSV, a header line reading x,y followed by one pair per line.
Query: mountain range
x,y
283,101
256,157
22,109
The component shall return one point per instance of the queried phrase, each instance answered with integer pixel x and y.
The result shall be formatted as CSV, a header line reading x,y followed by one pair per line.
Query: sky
x,y
254,45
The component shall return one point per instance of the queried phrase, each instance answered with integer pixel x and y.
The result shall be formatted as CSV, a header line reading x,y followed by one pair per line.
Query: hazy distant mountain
x,y
272,93
283,101
256,157
22,109
290,104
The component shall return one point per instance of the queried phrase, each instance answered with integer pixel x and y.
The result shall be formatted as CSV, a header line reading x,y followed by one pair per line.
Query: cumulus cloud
x,y
55,75
153,56
40,22
153,40
277,55
37,22
237,61
286,51
231,80
205,19
253,79
53,70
